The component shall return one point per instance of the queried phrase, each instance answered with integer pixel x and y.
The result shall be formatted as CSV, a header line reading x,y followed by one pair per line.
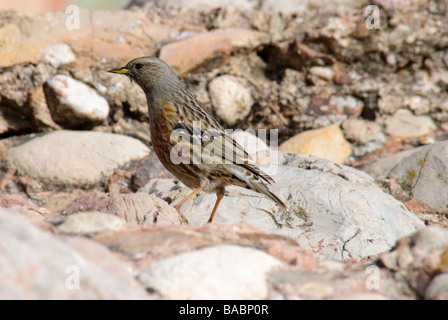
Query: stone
x,y
438,288
41,115
57,267
146,244
112,35
87,223
338,105
421,261
326,143
322,72
360,131
390,103
121,92
74,158
231,100
404,124
381,168
142,208
58,54
424,174
337,212
211,273
73,103
189,53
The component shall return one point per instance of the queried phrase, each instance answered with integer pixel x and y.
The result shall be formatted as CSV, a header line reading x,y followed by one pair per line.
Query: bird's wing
x,y
214,146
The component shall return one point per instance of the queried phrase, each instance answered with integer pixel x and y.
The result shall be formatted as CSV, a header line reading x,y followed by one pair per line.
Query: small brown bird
x,y
188,141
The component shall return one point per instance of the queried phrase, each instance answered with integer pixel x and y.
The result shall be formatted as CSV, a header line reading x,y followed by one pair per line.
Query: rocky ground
x,y
361,116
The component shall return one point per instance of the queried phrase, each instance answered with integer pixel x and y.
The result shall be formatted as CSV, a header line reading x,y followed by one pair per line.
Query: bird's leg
x,y
220,196
181,203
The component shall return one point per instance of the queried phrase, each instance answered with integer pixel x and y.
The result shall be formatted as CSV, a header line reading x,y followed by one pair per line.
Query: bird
x,y
189,141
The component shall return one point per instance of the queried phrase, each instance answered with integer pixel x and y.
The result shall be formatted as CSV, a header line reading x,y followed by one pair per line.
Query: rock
x,y
381,168
145,244
390,103
336,212
418,260
58,54
247,4
142,208
42,119
336,105
74,158
418,105
438,288
111,35
189,53
73,103
211,273
404,124
58,267
86,223
325,73
326,143
125,94
424,174
148,169
360,131
231,100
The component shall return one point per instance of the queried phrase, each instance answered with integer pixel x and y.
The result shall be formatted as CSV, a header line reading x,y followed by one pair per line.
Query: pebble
x,y
231,100
73,103
322,72
211,273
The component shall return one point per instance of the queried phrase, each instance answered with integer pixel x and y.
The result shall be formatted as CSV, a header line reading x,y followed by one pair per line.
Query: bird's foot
x,y
183,219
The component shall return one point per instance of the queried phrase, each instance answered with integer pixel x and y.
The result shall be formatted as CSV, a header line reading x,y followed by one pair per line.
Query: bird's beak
x,y
119,70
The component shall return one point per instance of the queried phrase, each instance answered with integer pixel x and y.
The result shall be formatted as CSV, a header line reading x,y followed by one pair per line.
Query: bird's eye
x,y
138,66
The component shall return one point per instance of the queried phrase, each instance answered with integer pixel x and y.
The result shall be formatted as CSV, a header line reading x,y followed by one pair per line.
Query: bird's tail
x,y
260,187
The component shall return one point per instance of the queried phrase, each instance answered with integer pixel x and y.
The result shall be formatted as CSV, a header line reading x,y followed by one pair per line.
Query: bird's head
x,y
147,72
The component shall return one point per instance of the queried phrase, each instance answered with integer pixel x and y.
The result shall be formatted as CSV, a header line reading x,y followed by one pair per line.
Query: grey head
x,y
150,73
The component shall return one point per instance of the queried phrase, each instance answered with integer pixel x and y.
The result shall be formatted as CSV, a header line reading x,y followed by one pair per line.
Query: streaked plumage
x,y
178,121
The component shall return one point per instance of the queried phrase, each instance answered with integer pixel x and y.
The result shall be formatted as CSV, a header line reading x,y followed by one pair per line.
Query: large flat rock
x,y
336,211
74,158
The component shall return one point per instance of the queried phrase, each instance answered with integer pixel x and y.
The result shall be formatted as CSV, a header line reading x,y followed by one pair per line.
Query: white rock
x,y
37,264
231,100
90,222
58,54
73,103
218,272
75,158
322,72
337,212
